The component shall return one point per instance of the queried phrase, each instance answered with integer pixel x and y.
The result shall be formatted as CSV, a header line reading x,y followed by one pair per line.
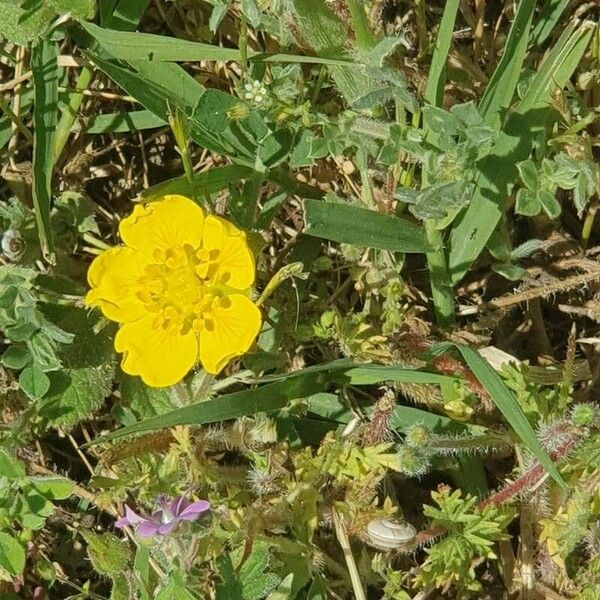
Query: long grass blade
x,y
160,48
501,88
44,62
278,393
507,404
437,73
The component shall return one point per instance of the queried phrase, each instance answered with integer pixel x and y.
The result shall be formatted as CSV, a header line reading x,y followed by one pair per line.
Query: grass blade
x,y
501,88
547,20
123,15
207,182
442,293
369,229
44,64
122,122
434,91
507,404
276,394
160,48
498,170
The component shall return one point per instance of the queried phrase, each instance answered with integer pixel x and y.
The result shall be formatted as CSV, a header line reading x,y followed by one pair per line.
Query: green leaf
x,y
145,401
123,15
317,590
256,583
81,387
231,586
274,149
500,90
207,182
121,122
108,554
507,404
21,25
251,11
547,19
218,13
437,72
365,228
10,467
16,357
327,35
44,64
12,555
175,589
53,487
34,382
279,391
136,46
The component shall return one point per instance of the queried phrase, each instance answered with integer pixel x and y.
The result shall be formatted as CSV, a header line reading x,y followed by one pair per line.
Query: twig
x,y
342,537
541,291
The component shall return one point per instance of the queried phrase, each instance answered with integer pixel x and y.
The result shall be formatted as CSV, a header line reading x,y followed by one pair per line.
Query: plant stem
x,y
421,24
364,38
342,537
442,292
69,115
243,46
587,226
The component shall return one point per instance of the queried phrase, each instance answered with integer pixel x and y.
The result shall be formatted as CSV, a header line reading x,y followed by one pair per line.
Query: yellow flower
x,y
179,288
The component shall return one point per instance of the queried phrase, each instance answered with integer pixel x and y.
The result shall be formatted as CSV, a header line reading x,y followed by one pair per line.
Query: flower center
x,y
179,288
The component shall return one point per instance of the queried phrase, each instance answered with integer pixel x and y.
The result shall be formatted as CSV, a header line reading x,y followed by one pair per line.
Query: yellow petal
x,y
113,278
160,357
173,221
235,262
236,322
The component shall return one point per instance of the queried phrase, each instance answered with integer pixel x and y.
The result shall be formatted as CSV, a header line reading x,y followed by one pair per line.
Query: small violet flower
x,y
164,520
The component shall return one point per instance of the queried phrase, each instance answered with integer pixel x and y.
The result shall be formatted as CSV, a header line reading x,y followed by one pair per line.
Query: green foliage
x,y
252,580
35,339
471,534
21,21
108,554
343,137
86,379
28,501
541,185
12,555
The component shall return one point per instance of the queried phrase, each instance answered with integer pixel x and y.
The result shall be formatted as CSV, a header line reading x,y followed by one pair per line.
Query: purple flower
x,y
164,520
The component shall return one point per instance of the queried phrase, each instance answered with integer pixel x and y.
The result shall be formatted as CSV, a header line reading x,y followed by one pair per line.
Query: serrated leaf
x,y
145,401
74,394
108,554
231,586
81,387
12,555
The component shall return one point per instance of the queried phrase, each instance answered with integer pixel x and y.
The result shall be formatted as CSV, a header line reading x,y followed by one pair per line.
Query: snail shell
x,y
390,534
12,245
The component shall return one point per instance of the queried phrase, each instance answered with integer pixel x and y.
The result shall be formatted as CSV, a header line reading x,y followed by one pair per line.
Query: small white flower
x,y
255,92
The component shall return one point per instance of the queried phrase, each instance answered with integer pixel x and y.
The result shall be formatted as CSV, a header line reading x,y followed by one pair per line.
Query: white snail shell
x,y
12,245
391,534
